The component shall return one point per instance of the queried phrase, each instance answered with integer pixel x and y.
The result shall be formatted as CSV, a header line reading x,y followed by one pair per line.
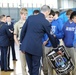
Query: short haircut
x,y
45,8
2,16
36,11
69,11
52,13
73,14
23,10
8,16
57,12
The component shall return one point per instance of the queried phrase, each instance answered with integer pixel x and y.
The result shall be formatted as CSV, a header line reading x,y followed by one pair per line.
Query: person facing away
x,y
17,31
31,38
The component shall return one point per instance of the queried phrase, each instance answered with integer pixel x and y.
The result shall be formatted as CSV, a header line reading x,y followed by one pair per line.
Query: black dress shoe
x,y
8,67
2,69
9,70
14,59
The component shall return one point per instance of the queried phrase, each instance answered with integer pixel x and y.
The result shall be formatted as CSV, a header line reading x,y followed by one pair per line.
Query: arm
x,y
8,32
15,34
45,39
51,37
16,40
59,35
23,31
74,41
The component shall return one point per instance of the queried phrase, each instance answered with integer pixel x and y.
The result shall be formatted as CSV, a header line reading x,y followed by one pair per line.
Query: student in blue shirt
x,y
46,48
69,38
57,25
56,29
57,19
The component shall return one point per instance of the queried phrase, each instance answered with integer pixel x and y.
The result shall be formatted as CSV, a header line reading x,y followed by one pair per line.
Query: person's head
x,y
51,16
23,13
3,18
8,18
56,14
68,13
45,9
35,12
73,16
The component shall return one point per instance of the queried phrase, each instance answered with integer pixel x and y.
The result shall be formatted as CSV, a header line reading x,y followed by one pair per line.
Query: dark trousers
x,y
13,52
33,63
4,57
0,57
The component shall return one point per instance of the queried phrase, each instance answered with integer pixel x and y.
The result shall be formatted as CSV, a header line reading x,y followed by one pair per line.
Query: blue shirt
x,y
69,30
56,26
64,17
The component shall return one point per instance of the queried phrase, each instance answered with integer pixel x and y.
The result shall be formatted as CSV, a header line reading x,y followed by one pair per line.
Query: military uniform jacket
x,y
11,27
4,34
32,34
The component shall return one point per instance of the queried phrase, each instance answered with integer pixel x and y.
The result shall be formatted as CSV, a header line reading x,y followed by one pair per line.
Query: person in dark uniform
x,y
5,34
10,25
31,38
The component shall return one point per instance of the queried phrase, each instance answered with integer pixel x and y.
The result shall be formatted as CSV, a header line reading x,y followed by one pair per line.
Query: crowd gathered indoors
x,y
35,36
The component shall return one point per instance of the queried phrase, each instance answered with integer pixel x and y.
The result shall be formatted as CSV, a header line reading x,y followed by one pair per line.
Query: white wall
x,y
74,3
38,3
35,3
65,4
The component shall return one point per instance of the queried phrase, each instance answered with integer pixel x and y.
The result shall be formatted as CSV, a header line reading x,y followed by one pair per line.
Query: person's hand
x,y
54,35
22,51
45,42
10,30
59,52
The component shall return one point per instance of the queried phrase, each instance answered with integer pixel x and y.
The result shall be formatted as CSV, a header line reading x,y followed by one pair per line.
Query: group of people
x,y
35,36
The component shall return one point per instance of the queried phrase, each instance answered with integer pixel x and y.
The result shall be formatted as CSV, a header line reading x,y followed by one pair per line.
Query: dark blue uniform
x,y
4,43
11,44
31,40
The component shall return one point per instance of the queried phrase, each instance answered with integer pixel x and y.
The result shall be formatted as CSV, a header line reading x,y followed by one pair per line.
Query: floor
x,y
16,65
